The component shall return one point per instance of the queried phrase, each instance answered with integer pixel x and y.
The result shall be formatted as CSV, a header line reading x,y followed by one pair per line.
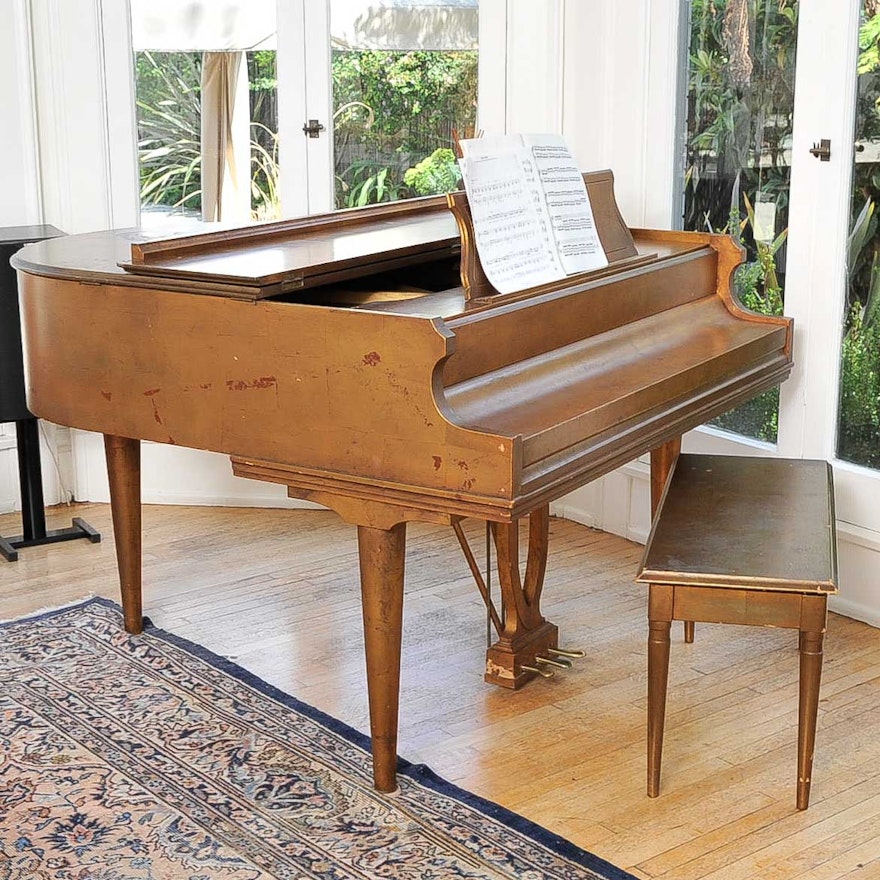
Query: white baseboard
x,y
575,512
860,537
196,499
855,610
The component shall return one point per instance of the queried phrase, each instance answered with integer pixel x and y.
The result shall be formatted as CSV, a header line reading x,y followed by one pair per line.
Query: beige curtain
x,y
225,138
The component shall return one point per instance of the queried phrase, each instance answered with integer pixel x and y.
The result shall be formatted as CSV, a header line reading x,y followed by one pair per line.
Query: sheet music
x,y
532,217
565,195
514,237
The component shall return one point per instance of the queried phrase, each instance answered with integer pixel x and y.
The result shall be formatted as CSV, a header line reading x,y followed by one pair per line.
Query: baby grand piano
x,y
359,359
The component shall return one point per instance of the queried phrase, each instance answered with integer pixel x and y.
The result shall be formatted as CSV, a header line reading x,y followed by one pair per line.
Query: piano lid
x,y
274,258
267,260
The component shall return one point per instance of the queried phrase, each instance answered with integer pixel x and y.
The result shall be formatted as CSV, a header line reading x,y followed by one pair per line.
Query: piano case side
x,y
345,395
730,257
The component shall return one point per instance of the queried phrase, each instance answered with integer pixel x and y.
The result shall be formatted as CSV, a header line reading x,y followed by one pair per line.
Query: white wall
x,y
66,159
20,203
85,114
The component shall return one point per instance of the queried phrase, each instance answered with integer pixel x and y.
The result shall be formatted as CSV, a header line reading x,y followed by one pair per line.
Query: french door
x,y
368,90
833,103
829,407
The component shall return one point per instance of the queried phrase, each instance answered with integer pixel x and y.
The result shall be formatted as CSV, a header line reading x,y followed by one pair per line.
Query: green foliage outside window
x,y
858,429
394,112
394,109
437,173
740,112
169,131
740,105
169,134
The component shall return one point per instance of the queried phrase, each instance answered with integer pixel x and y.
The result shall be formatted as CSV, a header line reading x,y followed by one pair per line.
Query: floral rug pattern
x,y
146,758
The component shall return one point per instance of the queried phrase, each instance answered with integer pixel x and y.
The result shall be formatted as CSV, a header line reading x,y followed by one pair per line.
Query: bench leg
x,y
658,675
810,645
689,632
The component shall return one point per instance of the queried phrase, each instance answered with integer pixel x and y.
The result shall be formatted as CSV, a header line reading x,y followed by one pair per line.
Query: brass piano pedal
x,y
544,673
558,662
559,652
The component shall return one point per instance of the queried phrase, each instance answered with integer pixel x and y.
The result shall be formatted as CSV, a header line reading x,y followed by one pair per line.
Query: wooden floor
x,y
277,591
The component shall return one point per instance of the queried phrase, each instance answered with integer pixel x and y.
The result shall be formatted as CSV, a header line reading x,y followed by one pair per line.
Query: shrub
x,y
437,173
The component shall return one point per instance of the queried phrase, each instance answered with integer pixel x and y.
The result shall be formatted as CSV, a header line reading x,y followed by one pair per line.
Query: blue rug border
x,y
420,773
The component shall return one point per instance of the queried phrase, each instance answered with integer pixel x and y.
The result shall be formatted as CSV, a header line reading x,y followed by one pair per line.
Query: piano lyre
x,y
342,357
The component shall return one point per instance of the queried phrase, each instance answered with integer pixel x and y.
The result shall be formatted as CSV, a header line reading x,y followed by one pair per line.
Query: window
x,y
206,110
404,81
740,108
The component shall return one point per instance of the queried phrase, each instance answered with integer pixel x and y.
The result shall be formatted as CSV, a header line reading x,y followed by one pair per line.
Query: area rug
x,y
148,758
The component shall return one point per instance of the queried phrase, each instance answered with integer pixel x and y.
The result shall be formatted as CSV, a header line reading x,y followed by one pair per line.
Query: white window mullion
x,y
293,157
819,222
19,178
534,66
120,122
492,70
319,105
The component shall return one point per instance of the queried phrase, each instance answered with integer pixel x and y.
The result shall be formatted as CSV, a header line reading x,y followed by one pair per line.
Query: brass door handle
x,y
313,128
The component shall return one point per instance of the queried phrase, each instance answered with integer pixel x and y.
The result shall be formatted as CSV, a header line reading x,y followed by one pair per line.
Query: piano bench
x,y
743,541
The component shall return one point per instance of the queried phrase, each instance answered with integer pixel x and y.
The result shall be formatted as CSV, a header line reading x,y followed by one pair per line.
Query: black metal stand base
x,y
33,513
9,547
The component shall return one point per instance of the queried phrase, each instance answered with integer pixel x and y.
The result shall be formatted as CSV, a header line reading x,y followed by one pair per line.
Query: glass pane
x,y
404,79
740,105
858,432
263,92
170,91
167,86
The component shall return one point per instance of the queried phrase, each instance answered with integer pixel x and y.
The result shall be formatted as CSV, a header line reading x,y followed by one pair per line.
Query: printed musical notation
x,y
533,222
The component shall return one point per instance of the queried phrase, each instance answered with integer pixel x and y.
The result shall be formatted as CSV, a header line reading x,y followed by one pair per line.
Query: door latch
x,y
313,128
822,150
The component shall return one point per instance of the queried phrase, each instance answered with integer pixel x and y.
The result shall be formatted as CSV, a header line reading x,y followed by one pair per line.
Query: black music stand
x,y
13,407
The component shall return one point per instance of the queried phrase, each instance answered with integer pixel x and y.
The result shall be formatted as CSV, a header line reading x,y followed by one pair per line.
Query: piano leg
x,y
382,553
124,472
526,635
663,459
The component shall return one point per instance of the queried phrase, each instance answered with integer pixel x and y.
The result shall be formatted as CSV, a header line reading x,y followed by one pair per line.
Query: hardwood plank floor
x,y
277,592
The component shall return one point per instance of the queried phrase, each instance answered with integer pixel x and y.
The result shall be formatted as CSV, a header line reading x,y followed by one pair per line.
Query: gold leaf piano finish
x,y
285,347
